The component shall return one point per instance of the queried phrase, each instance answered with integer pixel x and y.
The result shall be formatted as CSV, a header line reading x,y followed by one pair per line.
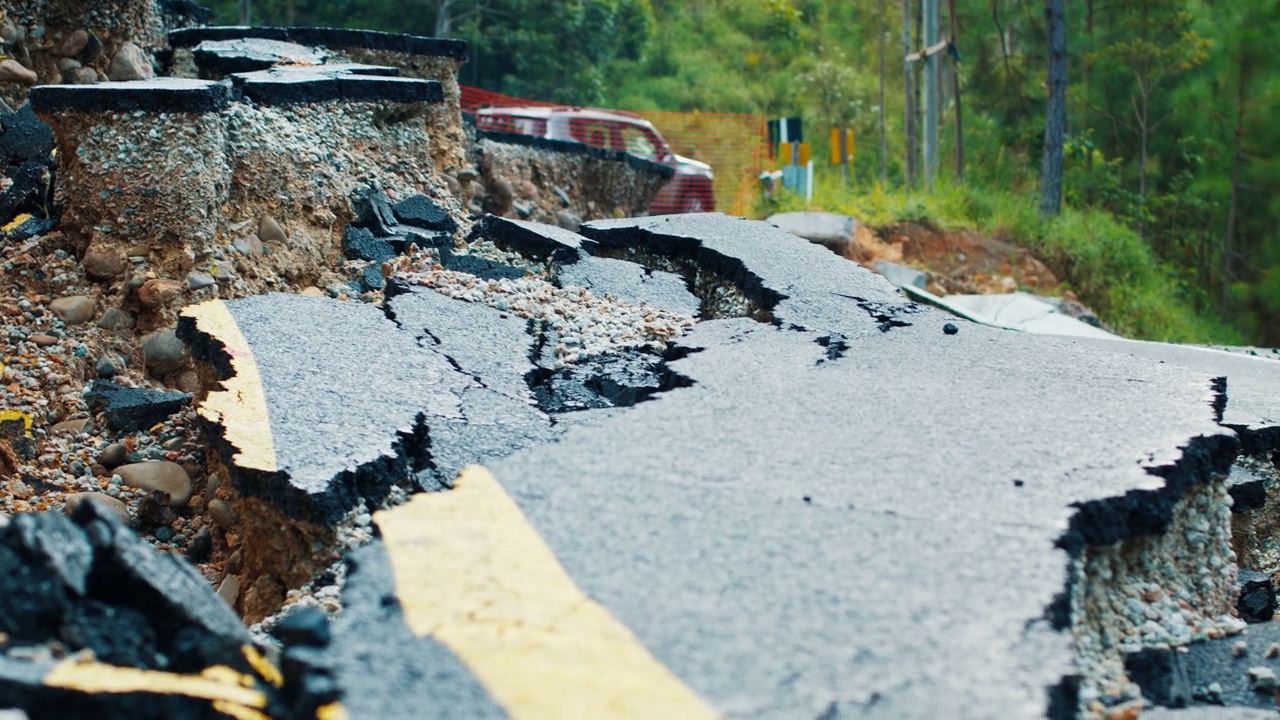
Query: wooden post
x,y
910,123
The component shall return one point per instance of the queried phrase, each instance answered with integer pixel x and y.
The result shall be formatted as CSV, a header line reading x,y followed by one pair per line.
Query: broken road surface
x,y
839,511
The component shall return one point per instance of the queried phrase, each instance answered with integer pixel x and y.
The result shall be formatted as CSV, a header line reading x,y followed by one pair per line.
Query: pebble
x,y
73,310
116,506
105,367
163,352
201,546
1239,648
113,455
113,318
198,280
72,44
159,292
950,329
42,340
229,590
74,427
103,264
247,245
269,231
13,71
165,476
1262,678
222,514
130,63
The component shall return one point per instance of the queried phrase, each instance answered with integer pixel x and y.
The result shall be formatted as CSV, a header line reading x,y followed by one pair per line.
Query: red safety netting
x,y
734,144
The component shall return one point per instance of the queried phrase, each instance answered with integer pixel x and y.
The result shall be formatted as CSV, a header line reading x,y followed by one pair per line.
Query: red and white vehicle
x,y
689,190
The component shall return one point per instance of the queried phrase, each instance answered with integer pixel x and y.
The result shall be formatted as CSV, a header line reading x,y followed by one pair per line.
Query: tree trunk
x,y
244,12
1144,110
884,138
444,19
1055,124
910,124
1229,242
955,91
1088,74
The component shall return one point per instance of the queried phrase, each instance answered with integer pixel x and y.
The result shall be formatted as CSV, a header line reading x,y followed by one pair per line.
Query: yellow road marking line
x,y
471,572
219,683
241,408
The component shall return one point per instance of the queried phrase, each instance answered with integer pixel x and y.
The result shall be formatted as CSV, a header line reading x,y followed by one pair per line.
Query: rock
x,y
307,626
139,250
8,31
523,209
159,292
222,514
106,367
466,175
454,187
92,50
269,231
164,476
82,76
72,44
568,220
501,197
312,291
101,264
201,546
67,65
112,505
229,589
1262,679
163,352
130,63
950,329
129,409
13,71
197,280
73,427
247,245
528,191
562,195
1257,599
113,318
42,340
421,211
113,455
73,310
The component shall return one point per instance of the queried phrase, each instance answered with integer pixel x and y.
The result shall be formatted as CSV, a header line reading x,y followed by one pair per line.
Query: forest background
x,y
1171,178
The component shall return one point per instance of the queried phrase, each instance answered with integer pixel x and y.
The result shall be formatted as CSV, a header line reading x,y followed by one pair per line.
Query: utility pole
x,y
930,40
913,171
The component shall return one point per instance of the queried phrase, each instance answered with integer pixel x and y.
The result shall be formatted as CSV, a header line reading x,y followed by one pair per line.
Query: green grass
x,y
1103,261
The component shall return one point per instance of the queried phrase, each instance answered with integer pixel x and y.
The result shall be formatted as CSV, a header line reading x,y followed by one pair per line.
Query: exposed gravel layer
x,y
1153,592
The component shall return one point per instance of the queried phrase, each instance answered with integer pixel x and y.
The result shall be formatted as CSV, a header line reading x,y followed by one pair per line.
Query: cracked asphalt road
x,y
845,513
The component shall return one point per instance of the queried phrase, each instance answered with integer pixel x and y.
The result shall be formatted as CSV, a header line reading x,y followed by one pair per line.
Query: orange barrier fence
x,y
734,144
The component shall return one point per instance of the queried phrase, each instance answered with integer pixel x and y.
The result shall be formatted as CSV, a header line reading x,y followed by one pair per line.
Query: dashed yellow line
x,y
241,408
471,572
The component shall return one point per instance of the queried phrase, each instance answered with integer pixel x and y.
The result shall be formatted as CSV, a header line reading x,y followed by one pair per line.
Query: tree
x,y
1156,44
1055,122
